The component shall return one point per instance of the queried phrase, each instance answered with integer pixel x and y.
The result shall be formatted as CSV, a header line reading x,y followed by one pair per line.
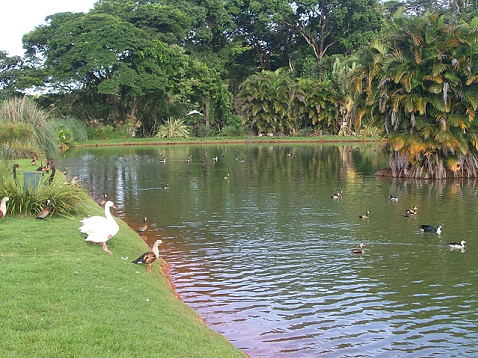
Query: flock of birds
x,y
99,229
409,212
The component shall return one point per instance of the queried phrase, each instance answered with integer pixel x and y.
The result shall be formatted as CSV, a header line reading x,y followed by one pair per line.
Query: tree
x,y
421,85
10,71
334,26
109,57
276,102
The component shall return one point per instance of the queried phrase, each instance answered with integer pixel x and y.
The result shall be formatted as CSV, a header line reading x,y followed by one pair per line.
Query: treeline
x,y
291,68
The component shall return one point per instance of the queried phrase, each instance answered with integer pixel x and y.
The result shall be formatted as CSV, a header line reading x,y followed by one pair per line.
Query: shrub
x,y
232,131
65,199
202,130
173,128
97,129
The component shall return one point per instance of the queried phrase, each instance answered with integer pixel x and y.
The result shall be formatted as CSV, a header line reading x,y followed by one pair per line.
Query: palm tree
x,y
419,84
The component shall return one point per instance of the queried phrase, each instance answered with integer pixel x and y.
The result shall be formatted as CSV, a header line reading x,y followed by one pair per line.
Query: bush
x,y
305,132
202,130
173,128
97,129
232,131
65,199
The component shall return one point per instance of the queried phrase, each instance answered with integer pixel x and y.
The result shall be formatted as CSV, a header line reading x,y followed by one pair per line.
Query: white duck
x,y
100,229
3,206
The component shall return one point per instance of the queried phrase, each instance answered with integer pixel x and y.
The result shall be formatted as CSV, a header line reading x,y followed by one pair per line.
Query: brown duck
x,y
143,227
46,211
149,257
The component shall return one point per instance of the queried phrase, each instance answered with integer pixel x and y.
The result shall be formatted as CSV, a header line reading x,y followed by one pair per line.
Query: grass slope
x,y
63,297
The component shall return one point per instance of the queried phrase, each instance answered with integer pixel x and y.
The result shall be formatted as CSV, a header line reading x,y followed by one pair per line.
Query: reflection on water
x,y
265,256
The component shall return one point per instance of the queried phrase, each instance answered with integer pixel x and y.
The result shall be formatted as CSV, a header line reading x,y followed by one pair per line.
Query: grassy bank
x,y
63,297
225,140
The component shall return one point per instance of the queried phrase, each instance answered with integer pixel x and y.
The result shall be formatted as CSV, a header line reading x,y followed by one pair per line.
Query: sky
x,y
22,16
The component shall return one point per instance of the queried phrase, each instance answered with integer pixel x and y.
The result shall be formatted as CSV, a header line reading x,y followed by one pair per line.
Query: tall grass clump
x,y
173,128
66,200
25,111
17,140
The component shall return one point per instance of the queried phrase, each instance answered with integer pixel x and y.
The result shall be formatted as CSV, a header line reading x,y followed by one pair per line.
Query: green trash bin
x,y
31,180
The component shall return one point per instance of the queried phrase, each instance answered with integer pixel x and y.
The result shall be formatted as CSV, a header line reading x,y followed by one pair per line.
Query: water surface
x,y
265,255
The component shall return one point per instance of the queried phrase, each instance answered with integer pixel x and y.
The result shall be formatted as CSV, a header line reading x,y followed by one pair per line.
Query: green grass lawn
x,y
244,139
63,297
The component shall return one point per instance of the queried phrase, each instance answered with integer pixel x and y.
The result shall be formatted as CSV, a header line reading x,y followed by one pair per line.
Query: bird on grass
x,y
366,216
103,201
34,160
100,229
46,210
457,245
52,175
149,257
143,227
432,229
73,180
15,167
359,251
3,206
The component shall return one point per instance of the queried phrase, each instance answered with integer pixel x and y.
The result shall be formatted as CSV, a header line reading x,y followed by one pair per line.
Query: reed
x,y
24,110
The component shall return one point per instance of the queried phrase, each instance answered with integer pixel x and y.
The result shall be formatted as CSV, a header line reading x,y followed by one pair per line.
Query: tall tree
x,y
334,26
421,87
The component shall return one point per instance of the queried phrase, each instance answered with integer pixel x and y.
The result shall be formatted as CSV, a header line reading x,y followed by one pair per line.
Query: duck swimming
x,y
359,251
393,198
457,245
366,216
336,195
429,228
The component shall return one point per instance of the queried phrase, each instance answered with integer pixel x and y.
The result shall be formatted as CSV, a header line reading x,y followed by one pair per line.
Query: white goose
x,y
100,229
3,206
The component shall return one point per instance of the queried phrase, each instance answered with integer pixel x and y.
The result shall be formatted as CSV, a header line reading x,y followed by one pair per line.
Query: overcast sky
x,y
22,16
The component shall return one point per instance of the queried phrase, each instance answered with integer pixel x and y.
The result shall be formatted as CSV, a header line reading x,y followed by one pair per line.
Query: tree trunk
x,y
206,111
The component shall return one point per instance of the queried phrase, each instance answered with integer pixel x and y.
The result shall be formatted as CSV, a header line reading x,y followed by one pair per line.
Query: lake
x,y
261,251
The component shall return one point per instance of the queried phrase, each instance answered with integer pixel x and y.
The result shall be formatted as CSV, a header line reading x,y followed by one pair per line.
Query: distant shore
x,y
224,140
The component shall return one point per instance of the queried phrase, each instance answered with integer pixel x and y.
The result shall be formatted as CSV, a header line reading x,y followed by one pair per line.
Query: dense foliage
x,y
420,84
131,67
